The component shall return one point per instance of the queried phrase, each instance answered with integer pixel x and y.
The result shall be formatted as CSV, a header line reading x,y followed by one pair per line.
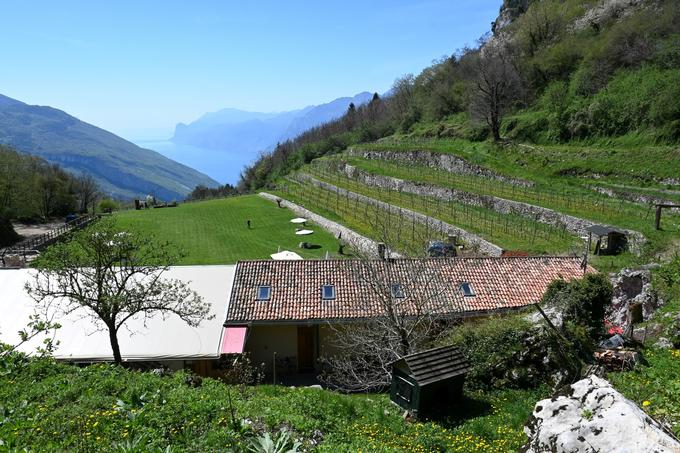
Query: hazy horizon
x,y
139,69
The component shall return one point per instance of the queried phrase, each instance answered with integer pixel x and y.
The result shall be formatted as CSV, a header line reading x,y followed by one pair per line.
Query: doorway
x,y
305,347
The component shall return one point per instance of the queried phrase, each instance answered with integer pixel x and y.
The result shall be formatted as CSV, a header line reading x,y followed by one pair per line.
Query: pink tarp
x,y
233,339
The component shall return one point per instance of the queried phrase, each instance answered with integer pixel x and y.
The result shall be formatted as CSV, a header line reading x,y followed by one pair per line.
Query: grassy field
x,y
215,231
55,407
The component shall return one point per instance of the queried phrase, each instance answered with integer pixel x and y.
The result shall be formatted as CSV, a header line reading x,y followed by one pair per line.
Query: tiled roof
x,y
362,287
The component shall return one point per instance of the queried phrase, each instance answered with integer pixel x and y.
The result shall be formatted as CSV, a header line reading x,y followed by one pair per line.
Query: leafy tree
x,y
112,276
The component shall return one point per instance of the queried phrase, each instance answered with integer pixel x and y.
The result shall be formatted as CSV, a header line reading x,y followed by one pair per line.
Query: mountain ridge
x,y
122,169
252,132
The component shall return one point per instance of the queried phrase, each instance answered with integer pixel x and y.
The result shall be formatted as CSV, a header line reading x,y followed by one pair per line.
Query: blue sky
x,y
138,68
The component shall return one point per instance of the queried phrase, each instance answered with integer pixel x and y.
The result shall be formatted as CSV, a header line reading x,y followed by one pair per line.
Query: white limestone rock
x,y
595,418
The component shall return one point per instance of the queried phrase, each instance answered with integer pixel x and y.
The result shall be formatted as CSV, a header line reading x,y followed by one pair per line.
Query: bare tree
x,y
496,84
404,307
87,192
112,276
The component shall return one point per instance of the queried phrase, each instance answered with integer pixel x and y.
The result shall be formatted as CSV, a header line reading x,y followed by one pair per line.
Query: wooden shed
x,y
429,380
610,240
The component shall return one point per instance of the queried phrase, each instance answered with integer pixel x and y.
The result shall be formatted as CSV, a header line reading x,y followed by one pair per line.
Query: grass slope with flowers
x,y
48,406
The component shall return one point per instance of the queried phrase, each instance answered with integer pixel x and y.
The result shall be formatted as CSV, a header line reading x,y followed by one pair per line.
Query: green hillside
x,y
121,168
215,231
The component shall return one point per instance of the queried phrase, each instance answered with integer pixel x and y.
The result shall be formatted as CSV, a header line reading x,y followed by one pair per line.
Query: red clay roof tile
x,y
362,287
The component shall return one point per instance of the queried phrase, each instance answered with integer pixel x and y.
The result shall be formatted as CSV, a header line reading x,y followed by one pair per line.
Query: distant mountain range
x,y
122,169
250,132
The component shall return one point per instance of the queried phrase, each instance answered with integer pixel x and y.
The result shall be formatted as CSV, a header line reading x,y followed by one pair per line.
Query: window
x,y
328,292
264,292
404,389
398,291
466,289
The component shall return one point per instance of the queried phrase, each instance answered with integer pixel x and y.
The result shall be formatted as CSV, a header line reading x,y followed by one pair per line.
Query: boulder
x,y
663,343
594,417
631,286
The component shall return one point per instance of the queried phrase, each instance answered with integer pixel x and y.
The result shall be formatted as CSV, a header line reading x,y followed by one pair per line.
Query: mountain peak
x,y
7,101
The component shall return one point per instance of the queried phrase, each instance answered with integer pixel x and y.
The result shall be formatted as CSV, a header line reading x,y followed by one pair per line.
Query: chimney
x,y
382,249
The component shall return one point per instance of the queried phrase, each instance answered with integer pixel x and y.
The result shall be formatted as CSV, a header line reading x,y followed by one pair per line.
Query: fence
x,y
39,242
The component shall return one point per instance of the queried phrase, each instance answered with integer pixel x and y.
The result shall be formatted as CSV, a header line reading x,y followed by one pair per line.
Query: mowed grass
x,y
215,231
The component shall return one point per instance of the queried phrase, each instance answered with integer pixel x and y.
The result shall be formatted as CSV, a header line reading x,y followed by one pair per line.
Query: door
x,y
305,346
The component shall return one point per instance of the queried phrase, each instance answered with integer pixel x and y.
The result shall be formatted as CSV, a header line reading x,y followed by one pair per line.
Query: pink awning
x,y
233,339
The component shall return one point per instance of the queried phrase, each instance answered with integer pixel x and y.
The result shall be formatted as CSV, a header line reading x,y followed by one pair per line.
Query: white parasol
x,y
285,256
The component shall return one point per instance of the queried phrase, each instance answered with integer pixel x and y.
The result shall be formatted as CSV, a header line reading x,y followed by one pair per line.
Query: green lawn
x,y
215,231
56,407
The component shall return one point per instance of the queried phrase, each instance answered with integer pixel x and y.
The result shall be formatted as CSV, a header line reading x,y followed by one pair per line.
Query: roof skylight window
x,y
466,289
264,292
398,291
328,292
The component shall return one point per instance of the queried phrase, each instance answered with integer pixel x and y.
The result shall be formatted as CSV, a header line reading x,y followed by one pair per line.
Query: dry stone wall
x,y
472,240
441,161
548,216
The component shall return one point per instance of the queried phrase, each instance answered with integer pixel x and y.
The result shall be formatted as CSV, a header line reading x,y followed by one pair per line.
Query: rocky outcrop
x,y
473,241
632,286
594,417
440,161
605,11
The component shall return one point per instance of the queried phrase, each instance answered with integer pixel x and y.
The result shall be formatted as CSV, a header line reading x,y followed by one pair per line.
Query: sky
x,y
137,68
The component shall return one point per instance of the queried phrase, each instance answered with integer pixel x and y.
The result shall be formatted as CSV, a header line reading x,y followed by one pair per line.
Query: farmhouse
x,y
284,312
288,308
163,341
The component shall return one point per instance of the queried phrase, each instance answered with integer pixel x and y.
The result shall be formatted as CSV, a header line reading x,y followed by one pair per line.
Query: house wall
x,y
263,341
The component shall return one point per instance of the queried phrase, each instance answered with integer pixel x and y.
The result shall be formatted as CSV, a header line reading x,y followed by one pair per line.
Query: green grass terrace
x,y
216,231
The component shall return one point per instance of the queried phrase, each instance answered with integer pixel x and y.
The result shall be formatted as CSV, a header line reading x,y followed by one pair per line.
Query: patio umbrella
x,y
304,232
285,255
298,220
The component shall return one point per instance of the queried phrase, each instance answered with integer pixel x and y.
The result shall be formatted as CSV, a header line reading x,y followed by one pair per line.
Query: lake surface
x,y
222,165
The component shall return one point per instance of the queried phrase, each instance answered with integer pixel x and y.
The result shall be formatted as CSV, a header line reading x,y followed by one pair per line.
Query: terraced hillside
x,y
514,197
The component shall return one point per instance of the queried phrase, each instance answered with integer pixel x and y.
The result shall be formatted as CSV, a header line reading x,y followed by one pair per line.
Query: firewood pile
x,y
619,359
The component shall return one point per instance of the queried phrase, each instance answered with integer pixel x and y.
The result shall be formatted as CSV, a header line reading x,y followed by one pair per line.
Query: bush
x,y
7,234
505,352
582,302
108,205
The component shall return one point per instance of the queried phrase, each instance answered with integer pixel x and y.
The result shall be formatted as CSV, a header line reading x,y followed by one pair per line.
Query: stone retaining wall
x,y
548,216
441,161
472,240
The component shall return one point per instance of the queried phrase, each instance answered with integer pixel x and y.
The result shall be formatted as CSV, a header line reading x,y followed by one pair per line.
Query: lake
x,y
222,165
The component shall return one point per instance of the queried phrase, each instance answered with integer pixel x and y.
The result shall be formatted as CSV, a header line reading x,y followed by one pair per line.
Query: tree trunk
x,y
113,336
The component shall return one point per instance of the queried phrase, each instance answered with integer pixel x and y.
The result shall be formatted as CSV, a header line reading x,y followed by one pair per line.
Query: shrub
x,y
108,205
582,302
7,234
